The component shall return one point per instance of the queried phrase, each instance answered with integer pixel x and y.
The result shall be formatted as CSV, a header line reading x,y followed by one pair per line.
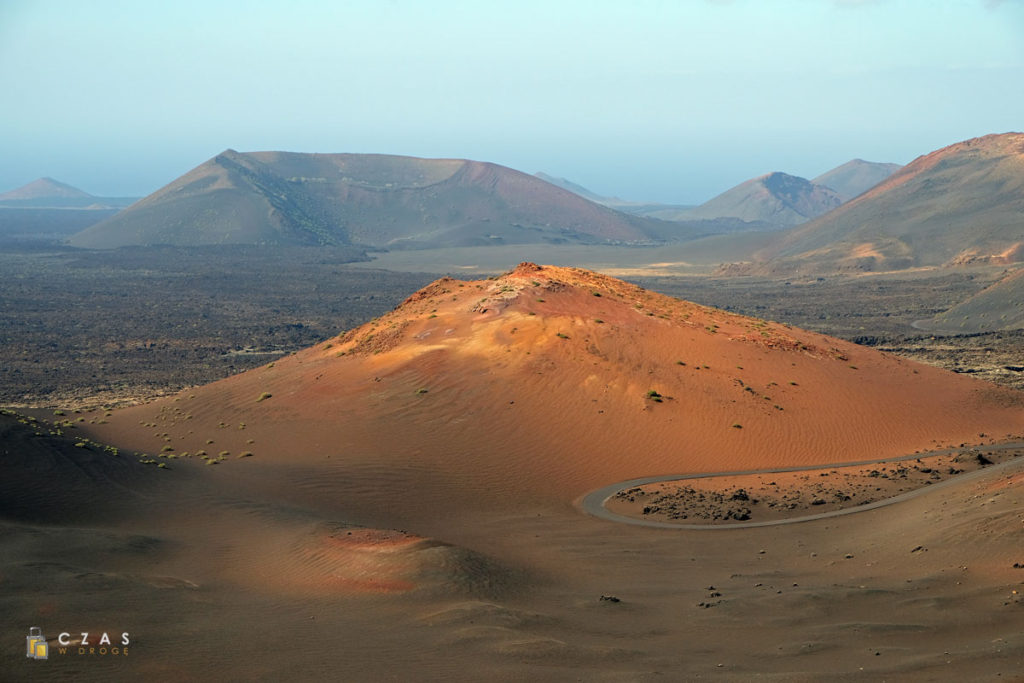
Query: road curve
x,y
593,503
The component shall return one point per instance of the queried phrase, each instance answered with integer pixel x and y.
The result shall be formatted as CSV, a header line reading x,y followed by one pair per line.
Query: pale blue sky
x,y
658,100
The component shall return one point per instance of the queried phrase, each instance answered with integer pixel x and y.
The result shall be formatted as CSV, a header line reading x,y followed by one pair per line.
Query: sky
x,y
670,101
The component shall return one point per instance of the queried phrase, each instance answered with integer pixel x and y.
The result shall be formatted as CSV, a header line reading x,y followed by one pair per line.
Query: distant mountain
x,y
44,188
566,184
855,177
772,200
960,204
370,200
47,210
47,193
648,209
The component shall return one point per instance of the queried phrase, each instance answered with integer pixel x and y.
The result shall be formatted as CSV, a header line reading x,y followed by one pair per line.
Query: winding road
x,y
593,503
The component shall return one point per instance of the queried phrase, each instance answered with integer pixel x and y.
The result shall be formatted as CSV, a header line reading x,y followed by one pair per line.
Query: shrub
x,y
264,396
737,425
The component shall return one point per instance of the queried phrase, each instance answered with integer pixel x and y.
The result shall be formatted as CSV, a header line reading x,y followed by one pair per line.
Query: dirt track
x,y
594,502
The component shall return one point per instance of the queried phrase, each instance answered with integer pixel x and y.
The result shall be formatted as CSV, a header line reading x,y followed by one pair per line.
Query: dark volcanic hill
x,y
777,199
960,204
855,177
997,307
367,200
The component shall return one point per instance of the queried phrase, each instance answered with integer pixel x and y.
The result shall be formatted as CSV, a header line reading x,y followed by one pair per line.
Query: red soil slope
x,y
535,387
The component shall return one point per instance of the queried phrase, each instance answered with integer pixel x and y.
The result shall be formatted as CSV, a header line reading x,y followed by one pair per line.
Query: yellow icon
x,y
36,646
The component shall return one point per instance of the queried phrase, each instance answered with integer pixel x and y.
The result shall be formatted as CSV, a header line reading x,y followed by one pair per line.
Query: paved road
x,y
594,502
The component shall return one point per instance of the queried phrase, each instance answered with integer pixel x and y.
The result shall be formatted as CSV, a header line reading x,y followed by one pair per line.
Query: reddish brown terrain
x,y
796,494
462,366
401,502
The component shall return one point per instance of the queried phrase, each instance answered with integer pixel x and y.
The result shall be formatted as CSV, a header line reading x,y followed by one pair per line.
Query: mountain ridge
x,y
856,177
379,201
956,205
778,199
